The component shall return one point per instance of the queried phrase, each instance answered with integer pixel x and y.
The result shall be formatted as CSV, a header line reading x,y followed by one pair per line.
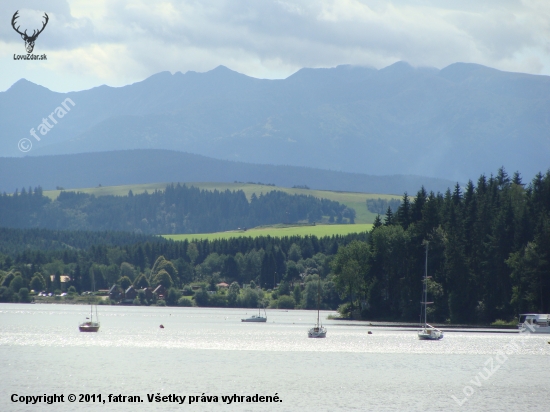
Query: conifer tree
x,y
377,222
388,220
404,212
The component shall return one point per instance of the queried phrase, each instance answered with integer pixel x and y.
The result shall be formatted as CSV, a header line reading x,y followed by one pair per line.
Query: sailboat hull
x,y
89,327
254,319
317,333
430,334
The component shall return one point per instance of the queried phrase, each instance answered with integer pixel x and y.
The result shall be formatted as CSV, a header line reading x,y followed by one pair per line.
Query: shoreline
x,y
416,325
359,322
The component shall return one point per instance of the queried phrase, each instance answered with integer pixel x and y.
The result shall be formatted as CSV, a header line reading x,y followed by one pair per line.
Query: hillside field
x,y
278,231
350,199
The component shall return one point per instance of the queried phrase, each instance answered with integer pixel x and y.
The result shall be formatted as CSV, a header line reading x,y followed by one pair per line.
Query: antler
x,y
15,16
34,33
43,25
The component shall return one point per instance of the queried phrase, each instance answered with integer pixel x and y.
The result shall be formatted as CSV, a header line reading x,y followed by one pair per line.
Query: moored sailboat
x,y
255,318
90,325
428,332
318,331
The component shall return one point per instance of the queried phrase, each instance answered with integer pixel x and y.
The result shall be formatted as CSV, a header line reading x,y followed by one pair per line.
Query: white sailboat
x,y
255,318
91,325
428,332
318,331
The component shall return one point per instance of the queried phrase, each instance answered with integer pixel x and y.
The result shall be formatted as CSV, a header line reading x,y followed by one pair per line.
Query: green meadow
x,y
279,231
350,199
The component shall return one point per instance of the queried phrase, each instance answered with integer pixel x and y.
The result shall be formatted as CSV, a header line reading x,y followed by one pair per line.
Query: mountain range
x,y
454,123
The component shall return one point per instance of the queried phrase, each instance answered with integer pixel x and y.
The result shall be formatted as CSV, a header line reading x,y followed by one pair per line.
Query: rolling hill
x,y
354,200
131,167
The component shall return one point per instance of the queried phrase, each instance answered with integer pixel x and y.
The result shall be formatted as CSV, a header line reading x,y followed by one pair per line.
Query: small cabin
x,y
148,293
114,293
160,292
130,293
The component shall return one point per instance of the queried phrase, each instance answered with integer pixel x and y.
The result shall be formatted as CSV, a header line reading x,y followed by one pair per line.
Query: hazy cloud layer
x,y
115,42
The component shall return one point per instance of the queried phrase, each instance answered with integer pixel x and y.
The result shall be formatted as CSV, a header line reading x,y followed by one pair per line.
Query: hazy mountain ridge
x,y
153,166
455,123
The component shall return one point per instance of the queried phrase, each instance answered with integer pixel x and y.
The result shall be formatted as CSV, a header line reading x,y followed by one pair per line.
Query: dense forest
x,y
489,253
178,209
488,258
13,241
264,261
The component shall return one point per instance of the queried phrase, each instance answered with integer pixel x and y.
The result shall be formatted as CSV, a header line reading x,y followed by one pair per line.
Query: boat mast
x,y
426,286
93,297
318,291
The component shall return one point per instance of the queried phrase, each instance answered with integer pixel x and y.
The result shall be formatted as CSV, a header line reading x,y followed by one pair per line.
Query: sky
x,y
89,43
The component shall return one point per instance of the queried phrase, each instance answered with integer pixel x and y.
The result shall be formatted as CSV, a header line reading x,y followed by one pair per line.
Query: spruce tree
x,y
388,220
404,212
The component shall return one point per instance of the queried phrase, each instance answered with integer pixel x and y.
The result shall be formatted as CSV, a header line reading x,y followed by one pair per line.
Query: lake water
x,y
211,352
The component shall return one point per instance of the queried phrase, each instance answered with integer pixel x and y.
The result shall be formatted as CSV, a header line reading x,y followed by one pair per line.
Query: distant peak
x,y
221,67
155,79
398,67
460,71
23,86
343,70
219,70
224,70
21,81
467,66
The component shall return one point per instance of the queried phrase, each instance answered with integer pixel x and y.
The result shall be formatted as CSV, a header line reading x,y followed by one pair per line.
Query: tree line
x,y
265,261
489,254
177,209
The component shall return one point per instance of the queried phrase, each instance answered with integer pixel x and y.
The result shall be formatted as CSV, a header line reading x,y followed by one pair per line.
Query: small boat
x,y
90,325
534,323
428,332
318,331
255,318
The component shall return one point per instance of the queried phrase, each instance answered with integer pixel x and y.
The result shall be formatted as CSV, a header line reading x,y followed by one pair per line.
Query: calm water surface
x,y
211,351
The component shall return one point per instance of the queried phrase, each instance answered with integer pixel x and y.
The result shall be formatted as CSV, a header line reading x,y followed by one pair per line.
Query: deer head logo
x,y
29,40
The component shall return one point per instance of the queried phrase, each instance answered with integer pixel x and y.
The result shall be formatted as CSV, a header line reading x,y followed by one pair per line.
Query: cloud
x,y
116,41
